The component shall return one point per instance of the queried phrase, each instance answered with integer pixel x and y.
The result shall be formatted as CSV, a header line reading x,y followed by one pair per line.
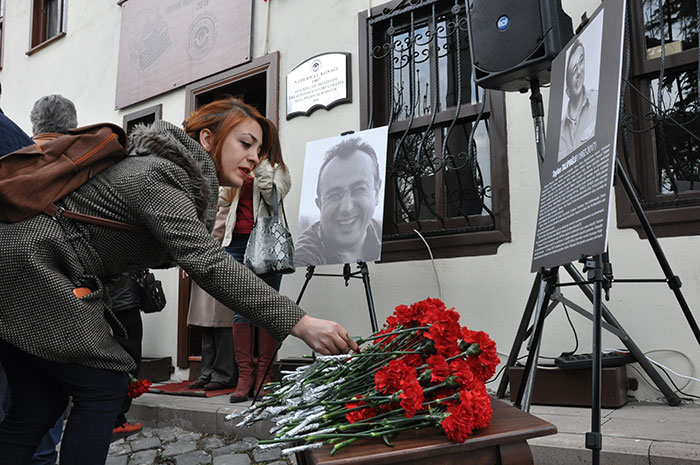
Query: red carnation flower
x,y
413,360
438,364
359,414
481,406
444,334
411,397
407,316
483,365
463,371
137,387
389,378
459,424
429,311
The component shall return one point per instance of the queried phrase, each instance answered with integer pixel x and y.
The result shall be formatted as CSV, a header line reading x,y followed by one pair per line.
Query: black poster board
x,y
576,177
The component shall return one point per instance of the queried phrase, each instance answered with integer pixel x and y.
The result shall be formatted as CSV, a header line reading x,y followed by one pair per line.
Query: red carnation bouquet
x,y
137,387
421,369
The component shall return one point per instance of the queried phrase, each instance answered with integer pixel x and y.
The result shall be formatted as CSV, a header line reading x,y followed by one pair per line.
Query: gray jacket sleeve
x,y
169,213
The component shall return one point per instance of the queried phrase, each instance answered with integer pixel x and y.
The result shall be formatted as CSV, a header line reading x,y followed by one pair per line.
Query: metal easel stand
x,y
544,296
362,273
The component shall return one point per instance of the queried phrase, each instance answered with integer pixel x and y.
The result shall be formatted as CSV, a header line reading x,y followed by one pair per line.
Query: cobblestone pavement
x,y
175,446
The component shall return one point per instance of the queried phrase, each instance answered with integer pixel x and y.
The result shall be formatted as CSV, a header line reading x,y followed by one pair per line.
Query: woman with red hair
x,y
239,208
57,343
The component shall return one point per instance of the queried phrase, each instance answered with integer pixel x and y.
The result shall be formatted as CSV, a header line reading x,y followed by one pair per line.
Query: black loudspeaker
x,y
513,42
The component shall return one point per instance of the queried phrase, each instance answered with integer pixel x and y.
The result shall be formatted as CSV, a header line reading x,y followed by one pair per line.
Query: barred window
x,y
447,168
661,116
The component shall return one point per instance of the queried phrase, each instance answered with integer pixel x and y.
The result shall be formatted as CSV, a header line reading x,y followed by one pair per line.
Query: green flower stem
x,y
396,430
395,332
383,354
275,441
441,385
340,445
454,396
346,401
472,351
316,437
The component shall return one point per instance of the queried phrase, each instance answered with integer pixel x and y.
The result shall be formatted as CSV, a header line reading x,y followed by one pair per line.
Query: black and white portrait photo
x,y
581,84
342,199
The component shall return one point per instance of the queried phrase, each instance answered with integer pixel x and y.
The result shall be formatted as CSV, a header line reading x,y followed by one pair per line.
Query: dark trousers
x,y
218,363
40,391
131,319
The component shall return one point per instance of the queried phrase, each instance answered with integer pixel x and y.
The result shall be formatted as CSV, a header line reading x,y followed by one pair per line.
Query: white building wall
x,y
490,292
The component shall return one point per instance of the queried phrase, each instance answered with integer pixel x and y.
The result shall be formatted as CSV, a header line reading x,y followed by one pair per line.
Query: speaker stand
x,y
600,275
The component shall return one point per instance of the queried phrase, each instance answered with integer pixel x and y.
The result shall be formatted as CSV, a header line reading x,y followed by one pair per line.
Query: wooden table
x,y
504,442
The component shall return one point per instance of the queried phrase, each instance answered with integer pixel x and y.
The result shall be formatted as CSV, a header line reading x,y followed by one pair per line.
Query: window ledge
x,y
464,245
665,222
45,43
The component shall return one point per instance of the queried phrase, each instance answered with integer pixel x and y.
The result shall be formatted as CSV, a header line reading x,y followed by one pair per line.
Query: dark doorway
x,y
257,84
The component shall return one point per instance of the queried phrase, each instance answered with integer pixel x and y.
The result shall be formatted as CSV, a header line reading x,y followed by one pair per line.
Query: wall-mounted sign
x,y
320,82
168,44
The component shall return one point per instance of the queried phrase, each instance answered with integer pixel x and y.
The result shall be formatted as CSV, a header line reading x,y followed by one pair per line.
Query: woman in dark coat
x,y
55,343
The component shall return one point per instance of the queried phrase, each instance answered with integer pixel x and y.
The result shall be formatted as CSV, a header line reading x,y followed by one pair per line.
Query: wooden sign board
x,y
168,44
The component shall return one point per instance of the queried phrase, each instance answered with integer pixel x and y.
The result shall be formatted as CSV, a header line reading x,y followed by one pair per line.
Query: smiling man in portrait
x,y
347,193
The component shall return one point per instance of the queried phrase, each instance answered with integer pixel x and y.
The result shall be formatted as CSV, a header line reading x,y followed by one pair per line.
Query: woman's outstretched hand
x,y
324,336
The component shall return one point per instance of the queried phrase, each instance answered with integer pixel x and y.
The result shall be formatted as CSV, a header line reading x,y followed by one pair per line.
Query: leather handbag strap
x,y
275,212
55,211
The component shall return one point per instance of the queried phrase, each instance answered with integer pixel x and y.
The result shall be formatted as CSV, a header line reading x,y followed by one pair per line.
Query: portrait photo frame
x,y
324,241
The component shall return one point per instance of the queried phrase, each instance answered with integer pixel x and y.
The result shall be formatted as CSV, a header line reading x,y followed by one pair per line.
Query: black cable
x,y
674,384
573,329
504,366
648,381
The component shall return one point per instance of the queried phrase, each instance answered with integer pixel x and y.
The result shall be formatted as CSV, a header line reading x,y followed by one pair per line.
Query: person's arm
x,y
266,174
170,215
326,337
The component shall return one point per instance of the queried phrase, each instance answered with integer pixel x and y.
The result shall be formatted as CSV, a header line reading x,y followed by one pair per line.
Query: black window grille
x,y
446,136
661,115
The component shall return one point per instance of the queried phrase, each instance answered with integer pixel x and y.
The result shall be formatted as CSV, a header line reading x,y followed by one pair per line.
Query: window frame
x,y
268,64
668,217
155,110
472,243
2,33
37,38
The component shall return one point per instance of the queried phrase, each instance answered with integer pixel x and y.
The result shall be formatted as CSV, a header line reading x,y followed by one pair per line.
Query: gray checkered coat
x,y
168,186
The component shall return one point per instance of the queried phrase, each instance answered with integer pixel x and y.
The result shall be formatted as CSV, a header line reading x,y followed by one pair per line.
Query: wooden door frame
x,y
269,64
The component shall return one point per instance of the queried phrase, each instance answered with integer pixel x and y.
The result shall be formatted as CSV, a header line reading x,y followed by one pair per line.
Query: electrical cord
x,y
432,261
690,378
651,383
664,370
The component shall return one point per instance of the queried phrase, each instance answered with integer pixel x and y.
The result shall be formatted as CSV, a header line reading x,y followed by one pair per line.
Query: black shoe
x,y
198,384
215,386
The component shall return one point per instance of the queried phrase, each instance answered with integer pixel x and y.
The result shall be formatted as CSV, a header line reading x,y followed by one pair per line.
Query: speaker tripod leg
x,y
549,280
671,397
674,282
520,335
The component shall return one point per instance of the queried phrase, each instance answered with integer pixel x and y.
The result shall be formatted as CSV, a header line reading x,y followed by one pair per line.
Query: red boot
x,y
267,349
242,343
